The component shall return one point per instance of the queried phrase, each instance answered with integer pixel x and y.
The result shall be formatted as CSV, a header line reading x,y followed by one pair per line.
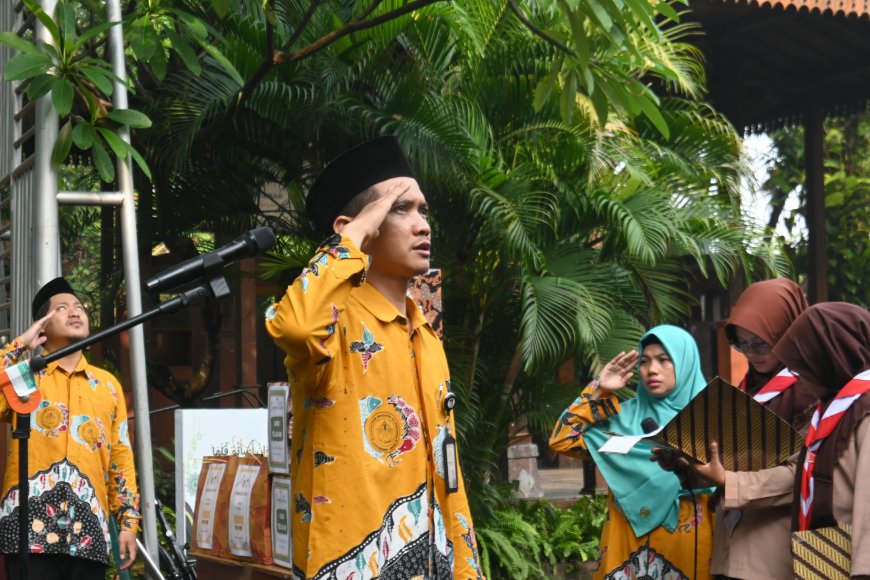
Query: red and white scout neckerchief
x,y
783,381
820,428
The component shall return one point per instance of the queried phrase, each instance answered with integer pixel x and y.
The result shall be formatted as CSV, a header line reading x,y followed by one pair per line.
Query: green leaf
x,y
38,86
99,77
599,101
66,19
158,63
140,161
143,38
62,146
578,35
130,117
46,20
15,42
601,15
93,32
83,135
834,199
185,52
653,113
62,93
103,162
643,10
665,10
119,147
225,64
221,7
568,101
25,66
193,25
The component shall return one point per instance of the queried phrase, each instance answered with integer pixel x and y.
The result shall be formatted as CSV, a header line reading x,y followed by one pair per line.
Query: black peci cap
x,y
350,174
52,288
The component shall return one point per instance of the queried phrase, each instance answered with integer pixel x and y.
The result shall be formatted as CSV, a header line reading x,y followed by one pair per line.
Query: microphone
x,y
649,425
248,245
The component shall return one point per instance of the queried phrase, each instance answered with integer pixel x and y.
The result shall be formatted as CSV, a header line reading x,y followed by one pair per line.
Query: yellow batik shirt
x,y
367,460
80,463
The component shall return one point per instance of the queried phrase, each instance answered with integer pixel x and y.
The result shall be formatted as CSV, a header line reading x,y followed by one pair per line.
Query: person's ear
x,y
340,222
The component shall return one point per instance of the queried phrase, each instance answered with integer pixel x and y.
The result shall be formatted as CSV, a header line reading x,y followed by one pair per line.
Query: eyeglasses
x,y
759,348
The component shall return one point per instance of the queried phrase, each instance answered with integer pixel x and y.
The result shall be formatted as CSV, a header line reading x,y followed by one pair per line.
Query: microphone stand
x,y
216,287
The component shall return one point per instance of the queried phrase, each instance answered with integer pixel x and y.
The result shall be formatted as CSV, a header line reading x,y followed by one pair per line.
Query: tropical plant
x,y
538,539
847,189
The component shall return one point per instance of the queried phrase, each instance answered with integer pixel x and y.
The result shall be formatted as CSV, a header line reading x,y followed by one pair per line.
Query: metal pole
x,y
46,233
134,296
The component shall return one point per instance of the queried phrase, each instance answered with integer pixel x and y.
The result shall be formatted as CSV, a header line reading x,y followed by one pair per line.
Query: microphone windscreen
x,y
264,238
649,425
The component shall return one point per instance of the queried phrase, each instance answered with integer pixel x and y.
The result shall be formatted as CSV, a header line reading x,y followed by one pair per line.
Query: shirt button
x,y
644,512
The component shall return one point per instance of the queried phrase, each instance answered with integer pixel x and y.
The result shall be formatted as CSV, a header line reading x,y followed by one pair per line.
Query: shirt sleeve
x,y
10,354
860,505
123,491
760,489
303,322
567,435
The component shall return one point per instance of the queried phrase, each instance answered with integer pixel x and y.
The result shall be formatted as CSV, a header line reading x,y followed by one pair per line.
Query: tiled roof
x,y
857,8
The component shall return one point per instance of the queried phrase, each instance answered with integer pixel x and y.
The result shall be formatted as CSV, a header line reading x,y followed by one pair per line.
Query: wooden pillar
x,y
814,156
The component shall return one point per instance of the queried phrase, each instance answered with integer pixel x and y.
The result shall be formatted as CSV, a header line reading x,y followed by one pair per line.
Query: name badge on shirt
x,y
451,472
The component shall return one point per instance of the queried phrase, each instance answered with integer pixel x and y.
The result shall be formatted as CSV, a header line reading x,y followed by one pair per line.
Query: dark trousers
x,y
56,567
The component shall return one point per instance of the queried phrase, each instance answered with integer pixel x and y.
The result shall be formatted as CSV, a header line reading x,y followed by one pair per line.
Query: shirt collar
x,y
54,365
376,303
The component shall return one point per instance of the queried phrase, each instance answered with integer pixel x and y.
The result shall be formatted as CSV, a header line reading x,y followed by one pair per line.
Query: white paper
x,y
622,444
279,455
282,543
207,508
240,510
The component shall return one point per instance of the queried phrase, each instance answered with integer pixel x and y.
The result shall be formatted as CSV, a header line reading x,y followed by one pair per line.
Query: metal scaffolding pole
x,y
144,460
45,229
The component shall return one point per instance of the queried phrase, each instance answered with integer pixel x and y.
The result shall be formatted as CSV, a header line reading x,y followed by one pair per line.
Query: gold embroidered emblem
x,y
383,431
50,418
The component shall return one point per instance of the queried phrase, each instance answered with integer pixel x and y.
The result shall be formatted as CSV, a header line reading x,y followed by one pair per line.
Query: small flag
x,y
19,387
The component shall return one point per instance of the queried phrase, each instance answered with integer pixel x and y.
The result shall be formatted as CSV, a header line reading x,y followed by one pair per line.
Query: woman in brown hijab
x,y
761,315
828,346
754,543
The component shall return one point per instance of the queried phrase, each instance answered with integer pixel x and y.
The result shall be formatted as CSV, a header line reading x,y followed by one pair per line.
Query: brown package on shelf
x,y
248,510
205,539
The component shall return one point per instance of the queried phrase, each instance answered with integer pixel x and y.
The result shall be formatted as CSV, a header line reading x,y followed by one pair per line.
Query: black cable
x,y
697,523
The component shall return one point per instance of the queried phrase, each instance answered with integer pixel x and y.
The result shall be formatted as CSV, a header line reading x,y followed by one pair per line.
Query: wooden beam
x,y
814,155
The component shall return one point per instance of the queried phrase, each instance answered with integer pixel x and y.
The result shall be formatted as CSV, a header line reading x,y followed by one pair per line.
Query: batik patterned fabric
x,y
80,464
369,502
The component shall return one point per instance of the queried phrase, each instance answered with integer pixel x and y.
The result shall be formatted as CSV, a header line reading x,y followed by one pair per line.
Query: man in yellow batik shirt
x,y
377,491
80,462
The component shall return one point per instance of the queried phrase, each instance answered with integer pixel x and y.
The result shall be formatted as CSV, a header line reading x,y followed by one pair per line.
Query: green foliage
x,y
847,190
520,539
80,81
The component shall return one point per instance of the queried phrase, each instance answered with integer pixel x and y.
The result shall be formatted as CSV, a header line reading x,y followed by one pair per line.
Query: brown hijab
x,y
828,345
767,309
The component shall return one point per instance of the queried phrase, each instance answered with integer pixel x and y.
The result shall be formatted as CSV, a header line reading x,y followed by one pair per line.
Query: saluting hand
x,y
365,226
33,337
616,373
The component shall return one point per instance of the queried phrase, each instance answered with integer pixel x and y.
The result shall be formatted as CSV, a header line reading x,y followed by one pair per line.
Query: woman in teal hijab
x,y
656,526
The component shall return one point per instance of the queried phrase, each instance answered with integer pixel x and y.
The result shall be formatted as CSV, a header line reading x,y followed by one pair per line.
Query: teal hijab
x,y
648,495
